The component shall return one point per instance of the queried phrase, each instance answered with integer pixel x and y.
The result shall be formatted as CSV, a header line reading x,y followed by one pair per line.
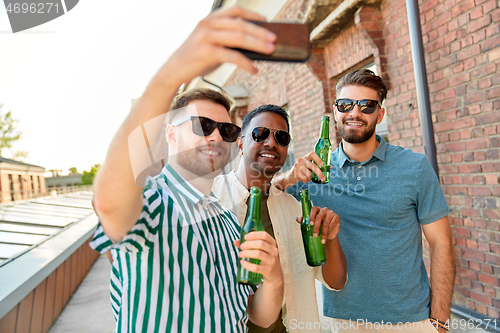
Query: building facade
x,y
20,180
61,182
461,41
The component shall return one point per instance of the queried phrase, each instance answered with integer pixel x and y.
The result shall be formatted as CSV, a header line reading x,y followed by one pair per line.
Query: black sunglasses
x,y
367,106
203,126
260,134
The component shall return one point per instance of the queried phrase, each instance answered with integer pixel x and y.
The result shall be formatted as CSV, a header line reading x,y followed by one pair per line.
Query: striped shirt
x,y
175,271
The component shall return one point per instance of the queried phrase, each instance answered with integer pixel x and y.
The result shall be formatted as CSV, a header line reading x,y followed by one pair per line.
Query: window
x,y
32,184
39,184
11,185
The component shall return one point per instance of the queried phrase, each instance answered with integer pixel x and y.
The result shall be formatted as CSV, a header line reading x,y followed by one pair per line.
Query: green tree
x,y
9,135
55,172
73,171
88,176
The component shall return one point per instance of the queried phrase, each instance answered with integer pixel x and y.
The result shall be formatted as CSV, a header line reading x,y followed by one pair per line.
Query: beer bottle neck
x,y
254,207
306,206
325,129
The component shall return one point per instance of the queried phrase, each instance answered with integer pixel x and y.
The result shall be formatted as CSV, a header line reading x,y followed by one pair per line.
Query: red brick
x,y
481,298
488,118
478,132
465,273
490,43
492,154
492,30
492,179
479,23
476,13
485,83
495,248
464,122
471,51
471,244
479,191
489,6
479,156
491,213
475,109
462,8
469,63
478,144
488,269
458,146
491,167
492,313
474,98
459,79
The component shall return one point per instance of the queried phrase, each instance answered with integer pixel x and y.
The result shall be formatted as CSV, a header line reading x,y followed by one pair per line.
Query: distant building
x,y
60,182
20,180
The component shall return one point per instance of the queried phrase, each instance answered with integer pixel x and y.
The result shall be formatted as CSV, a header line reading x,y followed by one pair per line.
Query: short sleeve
x,y
318,271
100,242
431,203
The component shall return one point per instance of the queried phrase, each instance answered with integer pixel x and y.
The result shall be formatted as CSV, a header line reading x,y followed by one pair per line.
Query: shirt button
x,y
359,178
359,166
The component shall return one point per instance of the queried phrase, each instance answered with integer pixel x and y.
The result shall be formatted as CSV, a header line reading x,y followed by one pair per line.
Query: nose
x,y
270,141
215,136
355,110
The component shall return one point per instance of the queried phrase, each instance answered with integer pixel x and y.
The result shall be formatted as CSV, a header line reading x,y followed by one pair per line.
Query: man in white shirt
x,y
263,144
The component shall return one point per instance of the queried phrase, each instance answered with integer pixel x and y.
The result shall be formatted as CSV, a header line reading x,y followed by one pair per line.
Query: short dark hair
x,y
265,108
364,78
183,99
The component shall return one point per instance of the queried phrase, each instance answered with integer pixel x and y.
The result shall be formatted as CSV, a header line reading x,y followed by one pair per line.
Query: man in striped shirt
x,y
174,246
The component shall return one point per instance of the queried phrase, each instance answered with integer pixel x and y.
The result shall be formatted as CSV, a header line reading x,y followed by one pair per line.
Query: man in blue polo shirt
x,y
385,196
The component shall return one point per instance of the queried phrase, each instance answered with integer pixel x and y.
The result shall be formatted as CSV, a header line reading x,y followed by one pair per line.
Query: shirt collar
x,y
176,182
378,153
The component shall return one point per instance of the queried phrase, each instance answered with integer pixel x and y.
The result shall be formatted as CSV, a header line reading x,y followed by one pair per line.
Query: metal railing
x,y
24,194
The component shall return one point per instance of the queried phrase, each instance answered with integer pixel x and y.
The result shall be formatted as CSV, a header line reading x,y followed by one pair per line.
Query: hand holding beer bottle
x,y
319,226
259,253
315,250
323,149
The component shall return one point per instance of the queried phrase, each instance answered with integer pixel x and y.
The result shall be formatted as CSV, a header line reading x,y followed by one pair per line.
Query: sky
x,y
70,81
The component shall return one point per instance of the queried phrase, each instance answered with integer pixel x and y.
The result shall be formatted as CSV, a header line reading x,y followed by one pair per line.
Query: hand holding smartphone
x,y
292,43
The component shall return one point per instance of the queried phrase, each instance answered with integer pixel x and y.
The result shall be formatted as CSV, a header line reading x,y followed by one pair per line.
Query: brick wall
x,y
462,52
462,48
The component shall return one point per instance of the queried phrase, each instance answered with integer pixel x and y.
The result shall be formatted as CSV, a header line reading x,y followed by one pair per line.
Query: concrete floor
x,y
89,309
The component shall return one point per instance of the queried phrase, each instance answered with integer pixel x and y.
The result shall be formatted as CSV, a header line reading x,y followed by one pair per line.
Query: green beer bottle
x,y
315,250
253,222
323,149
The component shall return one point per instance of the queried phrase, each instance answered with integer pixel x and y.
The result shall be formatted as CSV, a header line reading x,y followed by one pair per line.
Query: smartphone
x,y
292,43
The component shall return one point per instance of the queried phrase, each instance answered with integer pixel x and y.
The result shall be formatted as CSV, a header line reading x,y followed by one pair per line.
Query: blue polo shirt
x,y
381,204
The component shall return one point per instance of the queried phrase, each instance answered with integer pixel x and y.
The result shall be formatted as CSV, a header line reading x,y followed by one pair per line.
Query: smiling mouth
x,y
210,152
354,123
268,156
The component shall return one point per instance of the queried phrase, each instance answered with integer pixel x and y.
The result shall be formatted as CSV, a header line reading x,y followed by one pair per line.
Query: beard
x,y
356,136
202,165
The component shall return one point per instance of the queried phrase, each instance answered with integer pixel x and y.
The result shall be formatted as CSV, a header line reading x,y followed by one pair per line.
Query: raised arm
x,y
118,200
442,267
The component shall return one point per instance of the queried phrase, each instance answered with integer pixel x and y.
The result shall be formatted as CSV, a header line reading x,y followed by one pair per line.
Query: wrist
x,y
441,325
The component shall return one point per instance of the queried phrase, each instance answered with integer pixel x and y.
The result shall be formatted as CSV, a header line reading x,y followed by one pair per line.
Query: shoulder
x,y
283,196
404,156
